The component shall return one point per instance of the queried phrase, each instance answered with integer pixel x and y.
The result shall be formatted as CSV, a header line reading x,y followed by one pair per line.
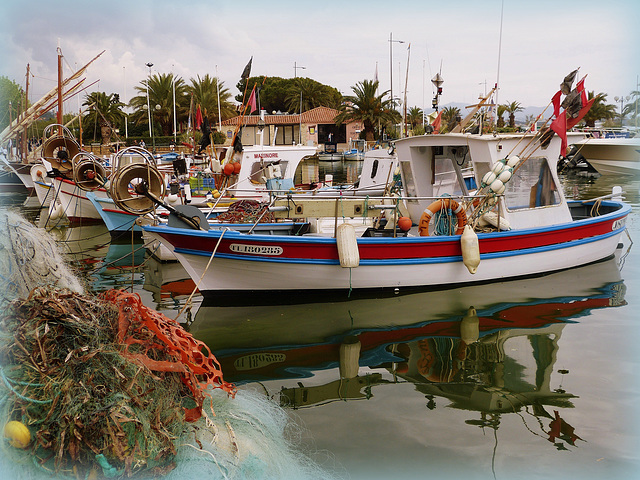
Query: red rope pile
x,y
150,336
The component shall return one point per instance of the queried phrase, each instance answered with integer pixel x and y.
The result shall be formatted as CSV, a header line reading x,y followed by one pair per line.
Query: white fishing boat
x,y
535,231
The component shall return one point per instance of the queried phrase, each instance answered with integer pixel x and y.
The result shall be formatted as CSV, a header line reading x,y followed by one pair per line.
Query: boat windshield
x,y
532,185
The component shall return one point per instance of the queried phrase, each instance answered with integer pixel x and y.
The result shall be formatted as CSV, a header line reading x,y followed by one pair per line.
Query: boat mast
x,y
59,116
25,150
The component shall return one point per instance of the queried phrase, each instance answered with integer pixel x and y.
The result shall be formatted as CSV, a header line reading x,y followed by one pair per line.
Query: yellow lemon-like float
x,y
17,433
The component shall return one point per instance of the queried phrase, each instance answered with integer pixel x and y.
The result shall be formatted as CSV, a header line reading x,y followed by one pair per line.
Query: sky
x,y
525,46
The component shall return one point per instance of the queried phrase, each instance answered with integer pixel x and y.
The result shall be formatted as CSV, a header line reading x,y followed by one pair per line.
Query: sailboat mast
x,y
59,116
25,150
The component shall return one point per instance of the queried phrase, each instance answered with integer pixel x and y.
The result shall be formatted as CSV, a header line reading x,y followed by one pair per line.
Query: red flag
x,y
581,91
198,118
252,101
436,123
559,125
572,122
556,103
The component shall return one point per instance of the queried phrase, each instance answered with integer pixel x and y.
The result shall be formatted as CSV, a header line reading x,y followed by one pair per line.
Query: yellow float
x,y
17,433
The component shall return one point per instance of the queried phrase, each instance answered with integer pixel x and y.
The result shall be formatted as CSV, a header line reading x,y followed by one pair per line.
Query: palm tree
x,y
104,111
512,108
599,110
500,112
314,94
367,107
449,118
414,117
160,91
205,94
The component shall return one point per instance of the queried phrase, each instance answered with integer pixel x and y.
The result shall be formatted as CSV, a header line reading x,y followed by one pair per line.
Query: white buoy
x,y
470,327
488,178
497,187
513,161
187,192
172,199
56,211
349,357
616,191
505,175
492,218
470,249
498,168
347,246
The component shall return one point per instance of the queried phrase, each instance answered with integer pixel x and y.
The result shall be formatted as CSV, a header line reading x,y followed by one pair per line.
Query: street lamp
x,y
148,105
391,42
622,99
295,69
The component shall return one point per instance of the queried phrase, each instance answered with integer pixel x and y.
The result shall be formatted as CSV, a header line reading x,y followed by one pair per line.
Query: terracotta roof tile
x,y
318,115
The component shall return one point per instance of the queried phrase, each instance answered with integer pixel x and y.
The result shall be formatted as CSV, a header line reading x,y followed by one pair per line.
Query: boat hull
x,y
252,263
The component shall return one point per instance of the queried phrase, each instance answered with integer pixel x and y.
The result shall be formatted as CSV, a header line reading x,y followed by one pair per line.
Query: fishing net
x,y
247,211
28,259
98,391
109,388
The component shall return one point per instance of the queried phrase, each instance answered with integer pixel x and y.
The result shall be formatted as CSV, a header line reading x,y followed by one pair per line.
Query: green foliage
x,y
10,93
283,94
369,108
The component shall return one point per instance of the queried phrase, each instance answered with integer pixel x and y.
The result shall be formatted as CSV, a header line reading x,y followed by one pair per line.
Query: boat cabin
x,y
434,165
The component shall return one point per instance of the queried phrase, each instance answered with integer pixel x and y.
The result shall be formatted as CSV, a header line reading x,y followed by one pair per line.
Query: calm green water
x,y
544,385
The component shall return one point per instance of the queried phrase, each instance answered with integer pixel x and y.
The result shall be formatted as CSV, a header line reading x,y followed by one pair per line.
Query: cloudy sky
x,y
338,42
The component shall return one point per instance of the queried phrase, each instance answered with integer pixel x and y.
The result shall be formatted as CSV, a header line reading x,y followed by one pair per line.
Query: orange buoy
x,y
405,224
236,168
443,203
228,169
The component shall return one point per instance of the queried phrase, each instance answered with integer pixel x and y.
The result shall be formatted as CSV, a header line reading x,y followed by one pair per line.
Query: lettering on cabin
x,y
257,249
266,155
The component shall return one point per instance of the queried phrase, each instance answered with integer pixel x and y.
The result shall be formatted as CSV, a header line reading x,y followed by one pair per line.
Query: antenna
x,y
499,52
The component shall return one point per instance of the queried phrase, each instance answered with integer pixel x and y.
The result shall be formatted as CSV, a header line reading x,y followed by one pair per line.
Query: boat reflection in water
x,y
489,348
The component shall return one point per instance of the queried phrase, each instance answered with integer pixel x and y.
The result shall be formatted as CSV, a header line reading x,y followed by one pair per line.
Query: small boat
x,y
611,155
517,224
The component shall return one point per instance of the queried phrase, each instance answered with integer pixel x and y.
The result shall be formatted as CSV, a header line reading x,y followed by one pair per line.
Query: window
x,y
531,186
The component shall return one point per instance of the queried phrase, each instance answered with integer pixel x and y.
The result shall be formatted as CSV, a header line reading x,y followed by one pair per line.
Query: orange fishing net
x,y
149,335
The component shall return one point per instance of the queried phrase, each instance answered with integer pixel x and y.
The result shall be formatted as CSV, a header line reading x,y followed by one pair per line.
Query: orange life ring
x,y
443,203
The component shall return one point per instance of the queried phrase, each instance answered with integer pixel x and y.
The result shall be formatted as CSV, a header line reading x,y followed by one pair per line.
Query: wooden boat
x,y
537,231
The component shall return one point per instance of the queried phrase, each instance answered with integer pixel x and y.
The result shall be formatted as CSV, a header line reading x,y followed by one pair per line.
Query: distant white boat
x,y
611,156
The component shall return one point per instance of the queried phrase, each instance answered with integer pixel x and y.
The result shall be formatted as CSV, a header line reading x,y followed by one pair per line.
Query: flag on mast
x,y
246,73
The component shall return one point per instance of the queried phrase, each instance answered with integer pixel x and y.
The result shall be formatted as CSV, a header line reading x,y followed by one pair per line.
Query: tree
x,y
449,118
501,111
314,94
512,108
160,91
414,117
368,107
10,93
599,110
278,94
105,111
205,94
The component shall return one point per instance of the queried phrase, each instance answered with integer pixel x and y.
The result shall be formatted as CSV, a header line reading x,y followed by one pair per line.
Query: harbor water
x,y
532,378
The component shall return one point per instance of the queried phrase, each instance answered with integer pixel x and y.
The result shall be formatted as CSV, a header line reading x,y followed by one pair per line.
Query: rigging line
x,y
195,288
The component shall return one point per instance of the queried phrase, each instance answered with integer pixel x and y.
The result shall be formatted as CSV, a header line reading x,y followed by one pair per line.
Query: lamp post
x,y
391,42
148,105
622,99
295,69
